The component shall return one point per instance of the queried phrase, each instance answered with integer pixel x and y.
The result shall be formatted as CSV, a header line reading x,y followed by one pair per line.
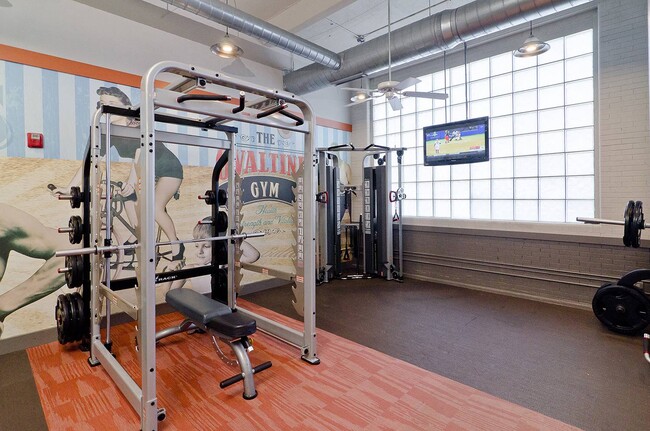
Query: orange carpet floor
x,y
354,388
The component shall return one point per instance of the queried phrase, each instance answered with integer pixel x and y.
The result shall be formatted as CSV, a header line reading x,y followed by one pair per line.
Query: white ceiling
x,y
332,24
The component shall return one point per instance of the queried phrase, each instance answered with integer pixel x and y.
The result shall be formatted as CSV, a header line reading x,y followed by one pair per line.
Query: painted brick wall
x,y
550,268
623,103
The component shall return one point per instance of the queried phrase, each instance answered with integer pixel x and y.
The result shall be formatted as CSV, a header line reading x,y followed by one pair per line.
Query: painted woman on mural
x,y
168,172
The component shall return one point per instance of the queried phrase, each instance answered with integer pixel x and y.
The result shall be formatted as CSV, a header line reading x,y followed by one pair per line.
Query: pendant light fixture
x,y
532,46
226,48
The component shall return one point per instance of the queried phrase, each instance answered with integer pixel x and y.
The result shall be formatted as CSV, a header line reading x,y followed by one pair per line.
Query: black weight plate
x,y
222,222
622,309
62,313
638,225
73,327
74,276
81,315
222,197
209,197
220,253
77,197
76,225
629,220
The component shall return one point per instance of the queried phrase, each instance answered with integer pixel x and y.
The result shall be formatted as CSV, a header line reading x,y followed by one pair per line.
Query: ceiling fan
x,y
391,89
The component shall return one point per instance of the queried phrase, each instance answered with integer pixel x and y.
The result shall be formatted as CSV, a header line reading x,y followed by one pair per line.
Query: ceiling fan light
x,y
225,48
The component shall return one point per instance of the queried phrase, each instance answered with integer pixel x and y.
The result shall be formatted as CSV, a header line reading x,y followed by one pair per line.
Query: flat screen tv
x,y
459,142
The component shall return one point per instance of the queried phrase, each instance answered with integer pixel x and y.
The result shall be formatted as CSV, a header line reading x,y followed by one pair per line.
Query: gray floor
x,y
17,383
558,361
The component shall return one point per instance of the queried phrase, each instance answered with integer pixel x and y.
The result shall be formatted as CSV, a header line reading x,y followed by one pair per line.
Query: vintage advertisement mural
x,y
60,106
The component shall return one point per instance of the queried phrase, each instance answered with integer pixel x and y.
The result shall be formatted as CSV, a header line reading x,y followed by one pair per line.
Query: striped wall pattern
x,y
61,106
354,388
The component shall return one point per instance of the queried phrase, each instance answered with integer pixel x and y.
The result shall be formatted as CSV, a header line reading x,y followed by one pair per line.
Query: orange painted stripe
x,y
333,124
50,62
58,64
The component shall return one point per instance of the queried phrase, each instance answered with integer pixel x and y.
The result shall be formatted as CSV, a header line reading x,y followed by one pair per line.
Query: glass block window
x,y
541,112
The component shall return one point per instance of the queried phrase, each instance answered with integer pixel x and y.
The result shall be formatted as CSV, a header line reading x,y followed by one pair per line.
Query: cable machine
x,y
372,237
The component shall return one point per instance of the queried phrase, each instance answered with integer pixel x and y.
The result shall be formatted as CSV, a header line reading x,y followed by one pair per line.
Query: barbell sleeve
x,y
64,230
600,221
604,221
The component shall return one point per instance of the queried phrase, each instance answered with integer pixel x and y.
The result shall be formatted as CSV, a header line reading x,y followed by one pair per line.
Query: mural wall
x,y
60,106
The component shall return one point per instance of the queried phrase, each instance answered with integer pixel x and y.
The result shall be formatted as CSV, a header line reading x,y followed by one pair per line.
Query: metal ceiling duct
x,y
432,34
235,19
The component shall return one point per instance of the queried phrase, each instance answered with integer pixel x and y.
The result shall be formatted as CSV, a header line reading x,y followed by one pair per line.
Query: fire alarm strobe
x,y
35,140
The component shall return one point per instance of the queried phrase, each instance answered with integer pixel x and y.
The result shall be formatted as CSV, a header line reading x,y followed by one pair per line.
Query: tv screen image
x,y
459,142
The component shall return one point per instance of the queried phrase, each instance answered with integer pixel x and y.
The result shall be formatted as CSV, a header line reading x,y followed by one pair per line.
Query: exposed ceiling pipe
x,y
428,36
237,20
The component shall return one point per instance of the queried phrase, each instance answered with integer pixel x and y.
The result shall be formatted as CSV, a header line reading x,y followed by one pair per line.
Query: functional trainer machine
x,y
375,228
142,396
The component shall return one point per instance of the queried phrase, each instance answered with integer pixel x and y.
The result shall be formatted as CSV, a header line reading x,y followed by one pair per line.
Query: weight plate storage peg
x,y
74,272
622,309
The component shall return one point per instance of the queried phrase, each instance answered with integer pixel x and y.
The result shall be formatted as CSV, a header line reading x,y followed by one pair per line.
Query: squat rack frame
x,y
142,397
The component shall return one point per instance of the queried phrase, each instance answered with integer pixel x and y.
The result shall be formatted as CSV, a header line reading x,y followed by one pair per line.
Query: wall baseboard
x,y
564,303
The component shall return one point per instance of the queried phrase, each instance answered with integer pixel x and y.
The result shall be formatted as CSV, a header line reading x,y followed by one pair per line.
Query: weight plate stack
x,y
69,314
622,309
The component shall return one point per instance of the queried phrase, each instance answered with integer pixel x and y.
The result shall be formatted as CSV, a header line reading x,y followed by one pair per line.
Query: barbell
x,y
115,248
633,222
74,267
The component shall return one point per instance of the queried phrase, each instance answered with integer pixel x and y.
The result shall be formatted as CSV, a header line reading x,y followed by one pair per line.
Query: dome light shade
x,y
532,46
225,48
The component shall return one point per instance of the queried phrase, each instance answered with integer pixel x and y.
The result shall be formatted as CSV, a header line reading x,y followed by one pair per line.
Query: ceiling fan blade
x,y
358,102
438,96
358,90
395,103
408,82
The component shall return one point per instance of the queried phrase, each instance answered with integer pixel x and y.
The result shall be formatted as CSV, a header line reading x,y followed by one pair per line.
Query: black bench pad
x,y
213,314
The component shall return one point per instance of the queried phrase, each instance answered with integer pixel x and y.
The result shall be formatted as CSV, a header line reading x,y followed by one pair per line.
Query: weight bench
x,y
220,322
